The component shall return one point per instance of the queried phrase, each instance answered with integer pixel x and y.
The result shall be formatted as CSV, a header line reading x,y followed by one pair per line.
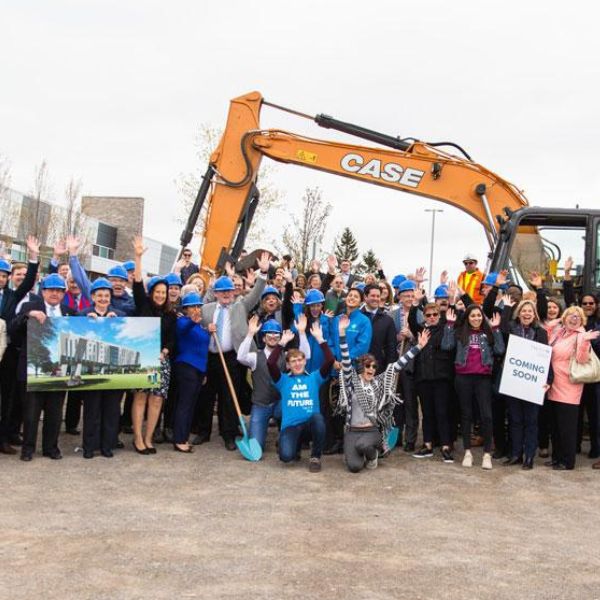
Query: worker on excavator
x,y
471,278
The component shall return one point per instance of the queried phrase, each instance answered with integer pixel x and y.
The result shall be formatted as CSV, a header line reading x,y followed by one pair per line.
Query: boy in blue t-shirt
x,y
299,391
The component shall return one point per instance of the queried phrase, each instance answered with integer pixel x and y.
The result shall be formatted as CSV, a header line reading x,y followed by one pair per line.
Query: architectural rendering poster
x,y
85,353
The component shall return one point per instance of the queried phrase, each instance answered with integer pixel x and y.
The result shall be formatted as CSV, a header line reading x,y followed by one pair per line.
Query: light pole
x,y
432,211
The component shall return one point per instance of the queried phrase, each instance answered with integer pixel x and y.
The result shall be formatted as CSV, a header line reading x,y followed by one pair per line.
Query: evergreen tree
x,y
368,263
346,248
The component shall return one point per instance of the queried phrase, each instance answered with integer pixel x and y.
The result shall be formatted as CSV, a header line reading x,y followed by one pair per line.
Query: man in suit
x,y
51,403
229,321
9,300
347,277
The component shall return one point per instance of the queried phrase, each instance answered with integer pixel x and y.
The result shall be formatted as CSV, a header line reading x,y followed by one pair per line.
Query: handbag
x,y
587,372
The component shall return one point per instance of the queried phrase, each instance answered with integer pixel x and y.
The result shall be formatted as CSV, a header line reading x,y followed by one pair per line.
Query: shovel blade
x,y
392,438
249,448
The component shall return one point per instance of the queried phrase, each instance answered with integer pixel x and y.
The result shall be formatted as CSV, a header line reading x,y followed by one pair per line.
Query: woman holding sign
x,y
476,341
523,415
569,340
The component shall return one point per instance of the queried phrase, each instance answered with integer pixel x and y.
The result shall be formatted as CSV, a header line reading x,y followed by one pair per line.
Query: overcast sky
x,y
113,93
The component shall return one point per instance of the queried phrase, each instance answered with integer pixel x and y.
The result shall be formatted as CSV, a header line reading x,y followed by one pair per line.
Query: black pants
x,y
334,424
544,425
523,427
478,387
406,414
218,390
500,405
189,384
590,403
125,418
101,413
435,400
9,397
73,410
51,403
564,432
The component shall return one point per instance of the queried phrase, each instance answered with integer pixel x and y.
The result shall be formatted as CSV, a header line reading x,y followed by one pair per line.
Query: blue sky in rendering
x,y
138,333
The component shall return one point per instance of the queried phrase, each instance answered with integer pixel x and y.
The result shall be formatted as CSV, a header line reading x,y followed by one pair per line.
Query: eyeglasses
x,y
187,255
429,315
371,366
588,304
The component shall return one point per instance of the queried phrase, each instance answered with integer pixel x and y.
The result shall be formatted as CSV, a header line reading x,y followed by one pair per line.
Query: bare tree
x,y
298,238
38,217
72,224
207,139
5,204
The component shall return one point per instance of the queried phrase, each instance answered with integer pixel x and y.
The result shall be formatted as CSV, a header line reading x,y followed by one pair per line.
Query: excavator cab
x,y
540,239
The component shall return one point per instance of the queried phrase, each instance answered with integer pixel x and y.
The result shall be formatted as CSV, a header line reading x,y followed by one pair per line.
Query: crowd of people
x,y
338,363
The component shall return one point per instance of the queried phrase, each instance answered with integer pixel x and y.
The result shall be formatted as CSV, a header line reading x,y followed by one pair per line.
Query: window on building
x,y
107,236
103,252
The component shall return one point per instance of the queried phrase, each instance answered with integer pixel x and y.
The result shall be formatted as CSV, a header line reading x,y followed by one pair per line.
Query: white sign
x,y
525,369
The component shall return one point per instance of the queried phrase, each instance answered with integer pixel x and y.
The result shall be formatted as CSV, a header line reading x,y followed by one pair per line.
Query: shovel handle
x,y
228,377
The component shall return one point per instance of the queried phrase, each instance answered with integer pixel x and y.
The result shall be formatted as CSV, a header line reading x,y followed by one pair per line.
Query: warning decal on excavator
x,y
390,172
306,156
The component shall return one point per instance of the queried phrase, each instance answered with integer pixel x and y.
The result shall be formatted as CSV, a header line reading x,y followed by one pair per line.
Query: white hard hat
x,y
470,256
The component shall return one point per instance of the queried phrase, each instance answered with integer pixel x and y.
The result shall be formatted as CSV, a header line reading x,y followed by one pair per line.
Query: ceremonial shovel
x,y
249,447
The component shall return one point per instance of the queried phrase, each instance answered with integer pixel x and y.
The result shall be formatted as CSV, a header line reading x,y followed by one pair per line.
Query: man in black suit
x,y
53,291
9,300
347,277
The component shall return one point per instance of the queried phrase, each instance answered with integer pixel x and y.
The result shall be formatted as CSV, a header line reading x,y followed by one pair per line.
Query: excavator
x,y
521,237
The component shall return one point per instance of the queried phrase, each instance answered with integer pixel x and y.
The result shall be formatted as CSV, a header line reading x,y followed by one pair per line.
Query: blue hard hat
x,y
270,289
118,271
270,326
398,279
101,284
129,265
490,279
407,286
5,266
154,281
314,297
441,292
359,286
54,282
174,279
224,284
192,299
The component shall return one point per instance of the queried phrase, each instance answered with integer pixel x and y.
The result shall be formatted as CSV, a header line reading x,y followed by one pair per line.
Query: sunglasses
x,y
588,304
187,255
371,366
469,262
429,315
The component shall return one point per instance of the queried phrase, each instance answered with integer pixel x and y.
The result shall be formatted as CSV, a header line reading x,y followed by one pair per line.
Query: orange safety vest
x,y
471,284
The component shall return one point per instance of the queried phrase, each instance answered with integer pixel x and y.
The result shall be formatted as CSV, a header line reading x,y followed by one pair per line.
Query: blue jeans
x,y
259,421
523,427
290,438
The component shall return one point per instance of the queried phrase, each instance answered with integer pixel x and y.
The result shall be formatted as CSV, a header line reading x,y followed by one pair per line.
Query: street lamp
x,y
432,211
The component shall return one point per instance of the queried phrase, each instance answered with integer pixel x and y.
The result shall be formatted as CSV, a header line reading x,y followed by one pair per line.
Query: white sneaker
x,y
372,464
468,459
486,463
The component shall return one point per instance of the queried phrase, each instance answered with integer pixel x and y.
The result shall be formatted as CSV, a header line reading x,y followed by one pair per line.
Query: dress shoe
x,y
559,467
230,445
73,431
513,460
528,464
53,454
26,456
143,450
188,450
596,465
550,463
7,449
498,454
106,452
15,440
199,439
88,454
335,448
151,449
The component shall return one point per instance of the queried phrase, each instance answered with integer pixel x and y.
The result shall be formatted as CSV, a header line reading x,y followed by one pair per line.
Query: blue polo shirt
x,y
299,397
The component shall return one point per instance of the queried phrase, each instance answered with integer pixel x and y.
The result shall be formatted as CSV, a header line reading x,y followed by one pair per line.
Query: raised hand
x,y
591,335
286,337
332,263
73,244
535,279
420,274
301,323
502,278
317,332
443,277
343,323
329,314
253,325
263,262
33,245
287,276
452,290
138,245
507,300
450,315
495,320
229,269
423,338
418,296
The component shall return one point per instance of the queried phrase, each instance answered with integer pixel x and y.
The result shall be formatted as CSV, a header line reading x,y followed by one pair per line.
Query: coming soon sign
x,y
525,369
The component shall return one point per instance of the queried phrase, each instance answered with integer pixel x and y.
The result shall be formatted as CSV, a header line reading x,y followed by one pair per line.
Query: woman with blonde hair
x,y
524,322
569,341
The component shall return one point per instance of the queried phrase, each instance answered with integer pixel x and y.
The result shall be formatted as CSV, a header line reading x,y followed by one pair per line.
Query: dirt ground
x,y
210,525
